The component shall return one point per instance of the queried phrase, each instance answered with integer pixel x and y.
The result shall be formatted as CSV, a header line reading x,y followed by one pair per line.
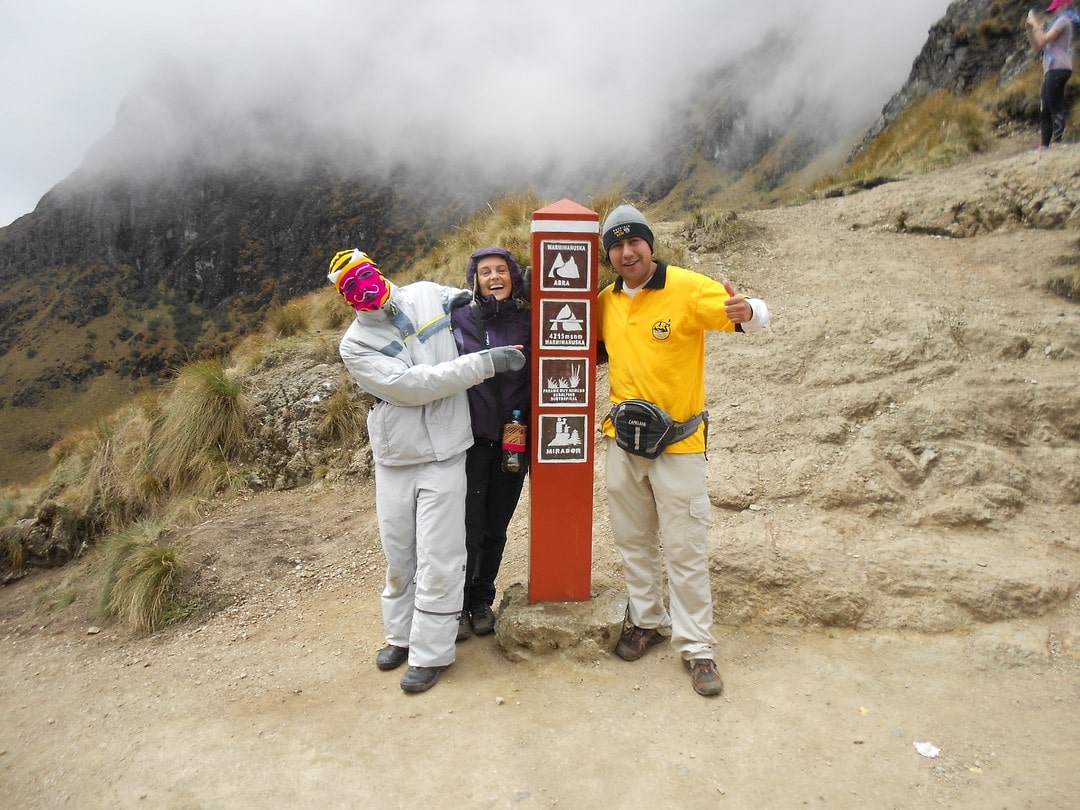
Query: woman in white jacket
x,y
400,350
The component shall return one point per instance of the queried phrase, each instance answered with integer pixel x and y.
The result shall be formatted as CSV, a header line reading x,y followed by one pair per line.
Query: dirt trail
x,y
883,344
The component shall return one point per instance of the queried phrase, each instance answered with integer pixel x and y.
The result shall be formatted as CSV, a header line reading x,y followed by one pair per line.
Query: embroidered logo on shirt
x,y
661,330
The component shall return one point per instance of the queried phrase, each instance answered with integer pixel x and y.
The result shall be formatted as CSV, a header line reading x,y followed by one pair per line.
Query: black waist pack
x,y
645,429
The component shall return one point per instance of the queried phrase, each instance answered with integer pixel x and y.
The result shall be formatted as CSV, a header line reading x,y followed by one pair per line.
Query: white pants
x,y
421,510
667,498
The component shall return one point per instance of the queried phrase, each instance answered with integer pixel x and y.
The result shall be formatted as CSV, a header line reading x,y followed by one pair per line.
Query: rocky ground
x,y
895,470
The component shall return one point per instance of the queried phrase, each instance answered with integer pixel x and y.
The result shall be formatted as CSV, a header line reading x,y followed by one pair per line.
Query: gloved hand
x,y
506,358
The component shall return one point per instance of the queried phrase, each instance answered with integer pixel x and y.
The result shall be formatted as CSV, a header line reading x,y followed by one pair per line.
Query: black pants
x,y
489,505
1052,109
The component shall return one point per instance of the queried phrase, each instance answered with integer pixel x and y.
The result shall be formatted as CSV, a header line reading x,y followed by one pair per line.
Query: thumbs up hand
x,y
736,307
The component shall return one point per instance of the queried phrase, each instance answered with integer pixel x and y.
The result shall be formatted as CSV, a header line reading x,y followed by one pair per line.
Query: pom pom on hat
x,y
624,222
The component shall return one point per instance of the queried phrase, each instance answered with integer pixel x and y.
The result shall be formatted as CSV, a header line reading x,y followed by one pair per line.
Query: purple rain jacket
x,y
505,323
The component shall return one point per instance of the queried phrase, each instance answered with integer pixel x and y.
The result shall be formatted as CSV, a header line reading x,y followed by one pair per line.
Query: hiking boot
x,y
635,640
420,679
464,627
391,657
704,677
483,620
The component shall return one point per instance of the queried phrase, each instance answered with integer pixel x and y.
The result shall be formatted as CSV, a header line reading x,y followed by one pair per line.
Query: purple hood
x,y
518,292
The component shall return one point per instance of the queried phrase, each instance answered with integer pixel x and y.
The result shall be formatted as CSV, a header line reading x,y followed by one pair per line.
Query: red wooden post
x,y
565,252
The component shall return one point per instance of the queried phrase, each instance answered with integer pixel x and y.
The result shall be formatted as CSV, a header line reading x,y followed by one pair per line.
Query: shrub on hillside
x,y
202,427
105,471
343,420
288,320
933,132
714,230
141,579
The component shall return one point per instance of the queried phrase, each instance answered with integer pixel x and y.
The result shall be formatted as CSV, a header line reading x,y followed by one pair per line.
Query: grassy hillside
x,y
938,129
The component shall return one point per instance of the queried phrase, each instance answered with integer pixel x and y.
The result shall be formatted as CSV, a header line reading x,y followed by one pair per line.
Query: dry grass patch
x,y
107,471
288,319
330,310
343,417
504,223
203,426
141,579
712,229
933,132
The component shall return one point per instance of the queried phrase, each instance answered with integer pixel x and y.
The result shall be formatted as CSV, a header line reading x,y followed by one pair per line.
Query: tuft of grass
x,y
203,421
1066,285
343,419
55,599
249,352
12,555
186,509
14,501
714,229
108,474
607,201
289,319
212,472
323,349
142,578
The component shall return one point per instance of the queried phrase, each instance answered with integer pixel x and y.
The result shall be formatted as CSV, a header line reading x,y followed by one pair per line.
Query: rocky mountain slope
x,y
975,43
894,472
183,226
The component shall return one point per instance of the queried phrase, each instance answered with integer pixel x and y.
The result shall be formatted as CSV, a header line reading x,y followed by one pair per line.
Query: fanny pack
x,y
645,429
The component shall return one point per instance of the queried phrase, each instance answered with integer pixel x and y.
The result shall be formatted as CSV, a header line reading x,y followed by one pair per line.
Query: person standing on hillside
x,y
497,316
1055,42
652,324
400,350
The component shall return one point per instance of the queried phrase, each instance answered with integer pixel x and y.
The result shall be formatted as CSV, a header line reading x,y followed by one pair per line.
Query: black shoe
x,y
391,657
420,679
464,628
635,640
483,620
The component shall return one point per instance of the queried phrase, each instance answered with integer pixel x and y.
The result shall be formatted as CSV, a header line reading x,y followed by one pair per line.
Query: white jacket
x,y
404,354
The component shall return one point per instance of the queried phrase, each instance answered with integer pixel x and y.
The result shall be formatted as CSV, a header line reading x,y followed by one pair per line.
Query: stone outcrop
x,y
975,42
1027,191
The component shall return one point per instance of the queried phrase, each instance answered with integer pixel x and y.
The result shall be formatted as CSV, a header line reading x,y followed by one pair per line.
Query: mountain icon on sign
x,y
561,268
567,320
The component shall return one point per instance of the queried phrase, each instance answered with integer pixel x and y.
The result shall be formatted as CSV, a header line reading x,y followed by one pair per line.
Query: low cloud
x,y
507,86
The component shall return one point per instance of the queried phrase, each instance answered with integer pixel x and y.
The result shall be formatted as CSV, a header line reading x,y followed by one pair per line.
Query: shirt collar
x,y
655,282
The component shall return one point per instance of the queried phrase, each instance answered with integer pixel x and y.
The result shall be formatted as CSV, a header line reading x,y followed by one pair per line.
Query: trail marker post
x,y
565,253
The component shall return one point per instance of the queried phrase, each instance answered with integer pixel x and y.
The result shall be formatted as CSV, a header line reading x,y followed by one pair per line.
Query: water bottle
x,y
513,443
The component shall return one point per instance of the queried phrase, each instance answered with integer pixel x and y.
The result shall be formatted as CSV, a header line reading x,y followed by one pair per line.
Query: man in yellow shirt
x,y
653,321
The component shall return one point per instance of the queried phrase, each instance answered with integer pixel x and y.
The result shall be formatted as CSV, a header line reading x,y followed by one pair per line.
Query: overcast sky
x,y
479,71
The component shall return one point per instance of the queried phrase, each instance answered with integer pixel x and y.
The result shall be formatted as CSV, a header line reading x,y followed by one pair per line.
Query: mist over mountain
x,y
229,178
531,89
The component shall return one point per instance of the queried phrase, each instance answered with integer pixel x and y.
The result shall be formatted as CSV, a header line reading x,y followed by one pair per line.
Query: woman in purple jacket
x,y
498,316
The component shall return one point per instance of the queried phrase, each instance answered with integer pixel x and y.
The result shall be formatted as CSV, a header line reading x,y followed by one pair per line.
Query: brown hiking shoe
x,y
704,677
635,640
